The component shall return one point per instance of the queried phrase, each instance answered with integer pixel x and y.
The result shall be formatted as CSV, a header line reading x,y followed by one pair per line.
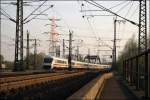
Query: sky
x,y
89,29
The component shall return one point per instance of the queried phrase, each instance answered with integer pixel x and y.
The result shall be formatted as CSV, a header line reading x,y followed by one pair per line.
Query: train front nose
x,y
47,63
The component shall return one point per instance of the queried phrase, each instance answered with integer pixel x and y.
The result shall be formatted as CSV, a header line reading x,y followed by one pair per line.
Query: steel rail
x,y
32,81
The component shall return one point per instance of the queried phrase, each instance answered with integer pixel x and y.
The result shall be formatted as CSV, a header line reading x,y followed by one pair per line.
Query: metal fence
x,y
136,71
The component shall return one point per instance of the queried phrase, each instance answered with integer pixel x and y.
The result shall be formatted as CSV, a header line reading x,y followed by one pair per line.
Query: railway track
x,y
24,77
9,83
31,72
10,73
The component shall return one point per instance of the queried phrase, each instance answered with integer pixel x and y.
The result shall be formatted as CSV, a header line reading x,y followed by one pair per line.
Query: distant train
x,y
59,63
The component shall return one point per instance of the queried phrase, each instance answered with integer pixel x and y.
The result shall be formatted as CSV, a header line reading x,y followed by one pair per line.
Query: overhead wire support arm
x,y
108,10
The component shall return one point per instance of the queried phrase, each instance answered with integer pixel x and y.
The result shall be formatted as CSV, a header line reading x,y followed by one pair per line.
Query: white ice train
x,y
59,63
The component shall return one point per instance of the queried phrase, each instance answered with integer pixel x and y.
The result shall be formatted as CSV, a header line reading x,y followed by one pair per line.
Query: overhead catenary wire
x,y
8,17
129,9
117,5
4,13
92,28
97,37
42,5
123,7
37,15
92,37
35,10
108,10
137,7
103,10
100,38
41,18
34,18
64,20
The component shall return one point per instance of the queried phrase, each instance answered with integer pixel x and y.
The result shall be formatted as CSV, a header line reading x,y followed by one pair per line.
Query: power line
x,y
37,15
7,15
92,28
123,7
44,15
40,19
39,5
108,10
134,11
129,9
117,5
35,10
98,38
65,22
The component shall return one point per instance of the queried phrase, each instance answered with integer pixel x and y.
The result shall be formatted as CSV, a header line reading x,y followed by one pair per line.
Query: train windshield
x,y
48,60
